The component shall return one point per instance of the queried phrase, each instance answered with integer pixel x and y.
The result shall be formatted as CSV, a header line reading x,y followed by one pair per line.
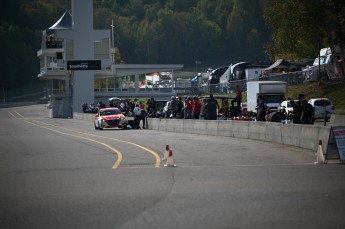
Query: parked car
x,y
322,106
109,118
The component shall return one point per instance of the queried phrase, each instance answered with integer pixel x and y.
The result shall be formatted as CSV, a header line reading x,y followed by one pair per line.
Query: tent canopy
x,y
65,22
281,63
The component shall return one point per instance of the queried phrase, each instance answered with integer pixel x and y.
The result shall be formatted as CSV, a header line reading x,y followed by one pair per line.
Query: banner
x,y
84,65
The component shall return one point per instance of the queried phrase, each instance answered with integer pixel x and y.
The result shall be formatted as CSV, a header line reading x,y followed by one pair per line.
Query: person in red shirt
x,y
143,113
196,108
238,97
238,100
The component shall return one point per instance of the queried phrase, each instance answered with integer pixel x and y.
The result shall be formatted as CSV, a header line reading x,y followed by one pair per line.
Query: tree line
x,y
214,32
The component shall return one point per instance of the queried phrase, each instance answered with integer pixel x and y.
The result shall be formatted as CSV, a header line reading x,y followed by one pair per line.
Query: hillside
x,y
334,92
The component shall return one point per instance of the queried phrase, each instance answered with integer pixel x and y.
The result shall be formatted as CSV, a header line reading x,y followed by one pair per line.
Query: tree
x,y
299,28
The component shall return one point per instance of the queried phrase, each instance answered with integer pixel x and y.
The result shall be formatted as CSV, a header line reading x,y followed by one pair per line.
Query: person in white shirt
x,y
137,116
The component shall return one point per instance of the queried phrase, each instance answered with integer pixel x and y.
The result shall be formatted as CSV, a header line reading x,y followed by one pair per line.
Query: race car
x,y
110,118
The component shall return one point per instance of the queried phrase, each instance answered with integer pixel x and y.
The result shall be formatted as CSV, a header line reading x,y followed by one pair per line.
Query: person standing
x,y
295,114
214,100
261,109
202,110
137,116
307,113
188,108
238,97
196,108
180,108
148,107
143,113
174,108
153,108
299,102
210,110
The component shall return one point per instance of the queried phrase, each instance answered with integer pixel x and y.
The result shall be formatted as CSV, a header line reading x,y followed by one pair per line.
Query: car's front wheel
x,y
99,126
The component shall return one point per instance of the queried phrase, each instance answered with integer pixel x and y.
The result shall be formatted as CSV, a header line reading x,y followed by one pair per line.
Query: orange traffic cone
x,y
170,160
320,159
166,153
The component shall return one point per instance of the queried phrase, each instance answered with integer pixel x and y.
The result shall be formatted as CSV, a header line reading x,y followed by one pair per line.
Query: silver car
x,y
321,107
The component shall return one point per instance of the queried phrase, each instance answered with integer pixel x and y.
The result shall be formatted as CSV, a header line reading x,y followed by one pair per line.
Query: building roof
x,y
281,63
65,22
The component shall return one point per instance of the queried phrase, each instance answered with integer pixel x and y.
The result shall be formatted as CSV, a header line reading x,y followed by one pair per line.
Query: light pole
x,y
112,33
3,93
196,66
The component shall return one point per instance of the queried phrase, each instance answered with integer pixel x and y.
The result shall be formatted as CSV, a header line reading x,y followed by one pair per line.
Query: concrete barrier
x,y
240,129
304,136
200,127
211,127
257,130
174,126
225,129
309,137
273,133
291,134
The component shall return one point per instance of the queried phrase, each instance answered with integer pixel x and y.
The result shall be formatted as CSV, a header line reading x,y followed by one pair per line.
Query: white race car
x,y
110,118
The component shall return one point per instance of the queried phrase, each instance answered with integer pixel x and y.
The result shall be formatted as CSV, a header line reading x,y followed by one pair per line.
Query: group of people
x,y
206,108
126,105
303,112
140,113
192,108
92,108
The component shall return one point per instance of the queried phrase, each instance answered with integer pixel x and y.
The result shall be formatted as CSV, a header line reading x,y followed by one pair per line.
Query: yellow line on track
x,y
157,157
119,154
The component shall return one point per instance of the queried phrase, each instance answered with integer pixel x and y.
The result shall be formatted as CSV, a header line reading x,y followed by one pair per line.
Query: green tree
x,y
299,28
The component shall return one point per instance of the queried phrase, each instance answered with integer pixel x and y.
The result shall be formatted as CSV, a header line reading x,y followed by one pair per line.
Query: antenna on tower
x,y
112,33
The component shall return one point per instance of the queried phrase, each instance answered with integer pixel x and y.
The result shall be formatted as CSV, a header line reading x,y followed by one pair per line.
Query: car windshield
x,y
110,112
274,98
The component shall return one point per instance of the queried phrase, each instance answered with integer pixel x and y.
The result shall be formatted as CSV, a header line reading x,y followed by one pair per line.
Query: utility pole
x,y
3,93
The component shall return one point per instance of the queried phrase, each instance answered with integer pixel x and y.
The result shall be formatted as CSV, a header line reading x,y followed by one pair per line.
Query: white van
x,y
322,106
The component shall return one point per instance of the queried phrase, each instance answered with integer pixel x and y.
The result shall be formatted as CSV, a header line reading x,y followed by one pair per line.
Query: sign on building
x,y
84,65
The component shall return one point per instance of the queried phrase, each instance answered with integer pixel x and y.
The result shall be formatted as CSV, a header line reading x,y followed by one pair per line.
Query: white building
x,y
94,76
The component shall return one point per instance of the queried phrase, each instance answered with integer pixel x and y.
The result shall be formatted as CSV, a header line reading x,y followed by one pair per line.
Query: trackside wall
x,y
304,136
